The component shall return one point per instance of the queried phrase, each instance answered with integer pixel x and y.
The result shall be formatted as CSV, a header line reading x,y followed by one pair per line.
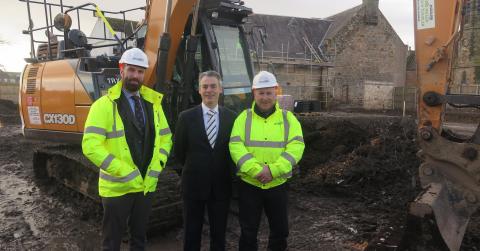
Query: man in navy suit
x,y
201,147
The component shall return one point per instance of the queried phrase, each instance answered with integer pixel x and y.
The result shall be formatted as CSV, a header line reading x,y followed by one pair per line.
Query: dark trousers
x,y
134,209
193,217
252,201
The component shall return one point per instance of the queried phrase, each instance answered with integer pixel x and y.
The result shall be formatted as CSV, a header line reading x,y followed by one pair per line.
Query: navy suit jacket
x,y
206,172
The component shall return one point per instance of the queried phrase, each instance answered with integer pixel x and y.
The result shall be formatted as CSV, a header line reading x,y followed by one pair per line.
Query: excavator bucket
x,y
449,176
451,224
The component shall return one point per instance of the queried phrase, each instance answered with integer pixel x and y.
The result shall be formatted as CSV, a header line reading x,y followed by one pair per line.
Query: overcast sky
x,y
13,19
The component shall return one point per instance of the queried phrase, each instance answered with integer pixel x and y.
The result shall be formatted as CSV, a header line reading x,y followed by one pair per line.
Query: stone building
x,y
369,57
411,70
354,57
466,67
9,84
406,97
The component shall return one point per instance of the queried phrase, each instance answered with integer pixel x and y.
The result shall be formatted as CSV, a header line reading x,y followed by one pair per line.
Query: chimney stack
x,y
371,11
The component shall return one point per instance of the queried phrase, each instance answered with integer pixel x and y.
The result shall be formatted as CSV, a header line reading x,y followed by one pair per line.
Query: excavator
x,y
63,77
450,169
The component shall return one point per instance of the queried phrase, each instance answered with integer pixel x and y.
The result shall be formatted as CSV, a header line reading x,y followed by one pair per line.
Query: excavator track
x,y
65,164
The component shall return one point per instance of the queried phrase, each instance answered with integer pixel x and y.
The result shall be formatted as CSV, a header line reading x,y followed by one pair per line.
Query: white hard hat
x,y
264,79
134,56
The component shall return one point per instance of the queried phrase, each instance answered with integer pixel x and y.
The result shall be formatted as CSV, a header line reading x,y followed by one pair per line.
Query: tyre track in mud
x,y
36,216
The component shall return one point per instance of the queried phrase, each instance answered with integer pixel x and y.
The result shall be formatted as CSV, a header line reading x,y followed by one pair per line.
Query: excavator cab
x,y
208,36
221,46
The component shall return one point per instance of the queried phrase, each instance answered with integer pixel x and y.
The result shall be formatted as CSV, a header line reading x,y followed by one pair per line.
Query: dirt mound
x,y
9,112
8,107
331,141
348,157
373,163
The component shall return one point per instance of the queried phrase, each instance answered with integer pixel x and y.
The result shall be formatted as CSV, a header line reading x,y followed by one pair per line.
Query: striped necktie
x,y
211,127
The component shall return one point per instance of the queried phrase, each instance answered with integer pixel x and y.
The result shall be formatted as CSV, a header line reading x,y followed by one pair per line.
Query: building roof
x,y
286,33
341,19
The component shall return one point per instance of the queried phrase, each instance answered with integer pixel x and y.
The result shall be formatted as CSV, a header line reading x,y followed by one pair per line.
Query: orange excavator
x,y
450,172
66,74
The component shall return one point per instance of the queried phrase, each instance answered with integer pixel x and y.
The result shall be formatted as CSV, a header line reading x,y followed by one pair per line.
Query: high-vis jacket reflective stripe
x,y
104,144
276,141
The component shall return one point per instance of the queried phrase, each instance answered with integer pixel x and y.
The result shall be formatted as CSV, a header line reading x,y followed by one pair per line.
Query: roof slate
x,y
287,32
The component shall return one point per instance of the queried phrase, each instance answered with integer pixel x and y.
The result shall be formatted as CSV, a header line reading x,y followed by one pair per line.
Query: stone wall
x,y
411,79
378,95
365,52
466,72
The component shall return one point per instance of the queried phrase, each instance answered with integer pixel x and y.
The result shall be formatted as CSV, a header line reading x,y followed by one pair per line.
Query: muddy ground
x,y
350,191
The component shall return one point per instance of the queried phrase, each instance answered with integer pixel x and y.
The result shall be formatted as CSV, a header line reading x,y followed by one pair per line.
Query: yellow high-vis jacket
x,y
104,144
276,141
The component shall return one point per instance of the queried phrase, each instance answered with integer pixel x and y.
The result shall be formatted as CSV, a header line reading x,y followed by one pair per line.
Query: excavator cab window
x,y
234,65
234,68
202,61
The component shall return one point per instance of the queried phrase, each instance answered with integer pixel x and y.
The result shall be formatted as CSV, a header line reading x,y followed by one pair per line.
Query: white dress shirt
x,y
205,110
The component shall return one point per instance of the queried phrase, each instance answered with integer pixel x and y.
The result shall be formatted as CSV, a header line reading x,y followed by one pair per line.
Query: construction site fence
x,y
405,98
322,94
371,95
401,99
465,89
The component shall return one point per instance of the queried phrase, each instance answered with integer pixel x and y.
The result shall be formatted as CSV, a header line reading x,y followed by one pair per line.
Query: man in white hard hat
x,y
266,144
127,136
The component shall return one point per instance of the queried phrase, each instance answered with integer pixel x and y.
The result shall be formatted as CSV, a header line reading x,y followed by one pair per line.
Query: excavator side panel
x,y
82,104
58,97
54,103
30,96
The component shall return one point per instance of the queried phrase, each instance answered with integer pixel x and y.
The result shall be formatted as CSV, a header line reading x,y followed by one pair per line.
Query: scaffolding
x,y
296,72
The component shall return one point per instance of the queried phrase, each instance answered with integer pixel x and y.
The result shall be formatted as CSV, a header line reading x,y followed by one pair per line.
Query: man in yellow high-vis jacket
x,y
127,136
266,144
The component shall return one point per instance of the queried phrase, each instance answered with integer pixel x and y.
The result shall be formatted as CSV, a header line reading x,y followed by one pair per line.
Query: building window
x,y
464,78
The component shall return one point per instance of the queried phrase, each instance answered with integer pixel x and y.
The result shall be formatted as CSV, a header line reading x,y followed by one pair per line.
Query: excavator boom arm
x,y
450,170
